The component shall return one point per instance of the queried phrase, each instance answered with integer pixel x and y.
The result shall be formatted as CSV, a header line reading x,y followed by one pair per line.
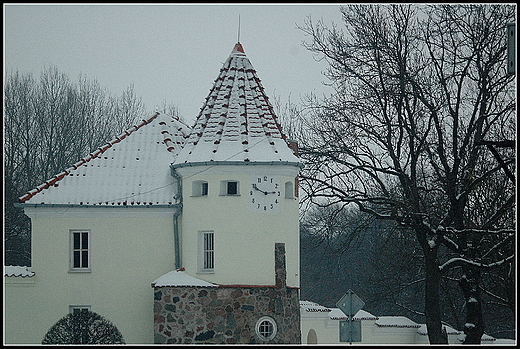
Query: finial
x,y
238,39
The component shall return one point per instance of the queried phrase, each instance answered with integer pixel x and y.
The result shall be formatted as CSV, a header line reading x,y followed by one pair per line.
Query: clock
x,y
264,193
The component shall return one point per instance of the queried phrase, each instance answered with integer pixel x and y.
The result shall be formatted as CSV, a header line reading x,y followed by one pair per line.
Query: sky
x,y
170,53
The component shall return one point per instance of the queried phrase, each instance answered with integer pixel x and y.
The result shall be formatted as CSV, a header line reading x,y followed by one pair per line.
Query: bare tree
x,y
417,90
49,124
83,327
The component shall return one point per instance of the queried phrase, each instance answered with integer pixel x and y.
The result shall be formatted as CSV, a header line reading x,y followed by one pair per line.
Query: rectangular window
x,y
80,251
204,188
206,251
230,188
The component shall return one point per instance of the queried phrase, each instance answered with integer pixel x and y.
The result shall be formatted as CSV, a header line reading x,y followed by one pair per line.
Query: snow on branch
x,y
457,261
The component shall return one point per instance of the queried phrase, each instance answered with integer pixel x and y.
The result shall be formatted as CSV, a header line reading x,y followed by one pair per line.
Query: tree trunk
x,y
432,303
474,327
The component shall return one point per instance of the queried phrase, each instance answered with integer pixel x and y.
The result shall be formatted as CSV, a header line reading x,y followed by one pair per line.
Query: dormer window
x,y
199,188
230,188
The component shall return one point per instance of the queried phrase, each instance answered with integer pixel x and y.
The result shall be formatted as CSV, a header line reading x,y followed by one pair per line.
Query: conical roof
x,y
237,123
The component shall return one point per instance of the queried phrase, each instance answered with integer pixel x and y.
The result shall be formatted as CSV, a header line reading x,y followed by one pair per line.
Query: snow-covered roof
x,y
14,270
313,307
132,170
423,330
395,321
337,314
180,278
334,313
236,123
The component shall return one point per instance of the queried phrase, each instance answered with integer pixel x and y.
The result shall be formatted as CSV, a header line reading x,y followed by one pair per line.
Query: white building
x,y
200,208
213,200
321,325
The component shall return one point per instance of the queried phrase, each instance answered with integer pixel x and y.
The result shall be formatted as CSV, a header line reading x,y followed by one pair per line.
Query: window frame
x,y
224,188
259,328
206,252
82,250
289,190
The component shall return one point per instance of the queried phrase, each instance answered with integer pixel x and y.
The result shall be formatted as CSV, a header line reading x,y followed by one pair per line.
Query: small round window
x,y
266,328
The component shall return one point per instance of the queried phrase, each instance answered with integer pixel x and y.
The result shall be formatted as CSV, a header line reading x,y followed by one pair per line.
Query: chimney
x,y
279,265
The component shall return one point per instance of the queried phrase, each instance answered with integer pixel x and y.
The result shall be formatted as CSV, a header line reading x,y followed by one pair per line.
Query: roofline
x,y
228,286
239,163
96,153
22,204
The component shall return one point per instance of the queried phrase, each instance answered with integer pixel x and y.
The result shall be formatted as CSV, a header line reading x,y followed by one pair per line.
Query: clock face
x,y
264,193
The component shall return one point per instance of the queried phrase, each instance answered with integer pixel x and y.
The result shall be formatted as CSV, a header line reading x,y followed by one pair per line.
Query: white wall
x,y
131,247
244,238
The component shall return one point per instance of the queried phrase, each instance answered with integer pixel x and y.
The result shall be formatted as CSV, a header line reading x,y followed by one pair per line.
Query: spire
x,y
237,122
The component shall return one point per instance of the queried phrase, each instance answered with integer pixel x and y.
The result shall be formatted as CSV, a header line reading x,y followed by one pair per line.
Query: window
x,y
289,190
80,251
229,188
199,188
206,252
73,309
266,328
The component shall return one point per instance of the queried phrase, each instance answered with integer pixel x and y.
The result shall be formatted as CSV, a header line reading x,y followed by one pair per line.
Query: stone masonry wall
x,y
224,314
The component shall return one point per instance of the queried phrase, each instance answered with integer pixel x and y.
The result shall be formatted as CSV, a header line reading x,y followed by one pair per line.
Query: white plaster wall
x,y
131,247
244,239
319,323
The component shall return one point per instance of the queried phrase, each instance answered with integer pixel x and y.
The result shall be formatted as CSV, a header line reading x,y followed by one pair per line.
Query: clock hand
x,y
256,188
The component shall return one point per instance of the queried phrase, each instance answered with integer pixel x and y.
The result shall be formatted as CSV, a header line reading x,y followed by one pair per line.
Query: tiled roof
x,y
131,170
237,122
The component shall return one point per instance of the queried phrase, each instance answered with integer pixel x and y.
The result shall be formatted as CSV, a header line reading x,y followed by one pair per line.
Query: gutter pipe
x,y
178,212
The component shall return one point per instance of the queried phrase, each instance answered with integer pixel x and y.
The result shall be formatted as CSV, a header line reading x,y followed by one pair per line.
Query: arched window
x,y
289,190
199,188
312,338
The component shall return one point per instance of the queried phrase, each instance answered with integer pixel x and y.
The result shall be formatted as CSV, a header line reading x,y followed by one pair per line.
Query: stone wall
x,y
224,314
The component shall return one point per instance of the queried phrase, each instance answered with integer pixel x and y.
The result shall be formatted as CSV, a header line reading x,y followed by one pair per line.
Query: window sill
x,y
79,271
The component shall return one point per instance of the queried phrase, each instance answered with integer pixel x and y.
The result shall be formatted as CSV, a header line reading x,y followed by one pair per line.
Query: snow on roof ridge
x,y
179,277
18,271
396,321
86,159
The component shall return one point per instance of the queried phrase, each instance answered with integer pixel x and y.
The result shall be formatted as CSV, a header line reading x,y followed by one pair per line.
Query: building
x,y
321,325
167,218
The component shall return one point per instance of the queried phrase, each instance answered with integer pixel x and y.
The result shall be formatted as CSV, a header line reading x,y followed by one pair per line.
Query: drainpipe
x,y
178,212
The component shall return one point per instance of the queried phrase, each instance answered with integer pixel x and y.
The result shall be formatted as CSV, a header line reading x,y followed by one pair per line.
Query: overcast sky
x,y
170,53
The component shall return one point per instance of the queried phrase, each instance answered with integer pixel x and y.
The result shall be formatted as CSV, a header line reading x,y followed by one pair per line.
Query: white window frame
x,y
224,188
206,252
261,327
81,250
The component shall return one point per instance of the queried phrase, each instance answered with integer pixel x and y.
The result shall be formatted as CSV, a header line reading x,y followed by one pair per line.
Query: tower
x,y
238,184
239,224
